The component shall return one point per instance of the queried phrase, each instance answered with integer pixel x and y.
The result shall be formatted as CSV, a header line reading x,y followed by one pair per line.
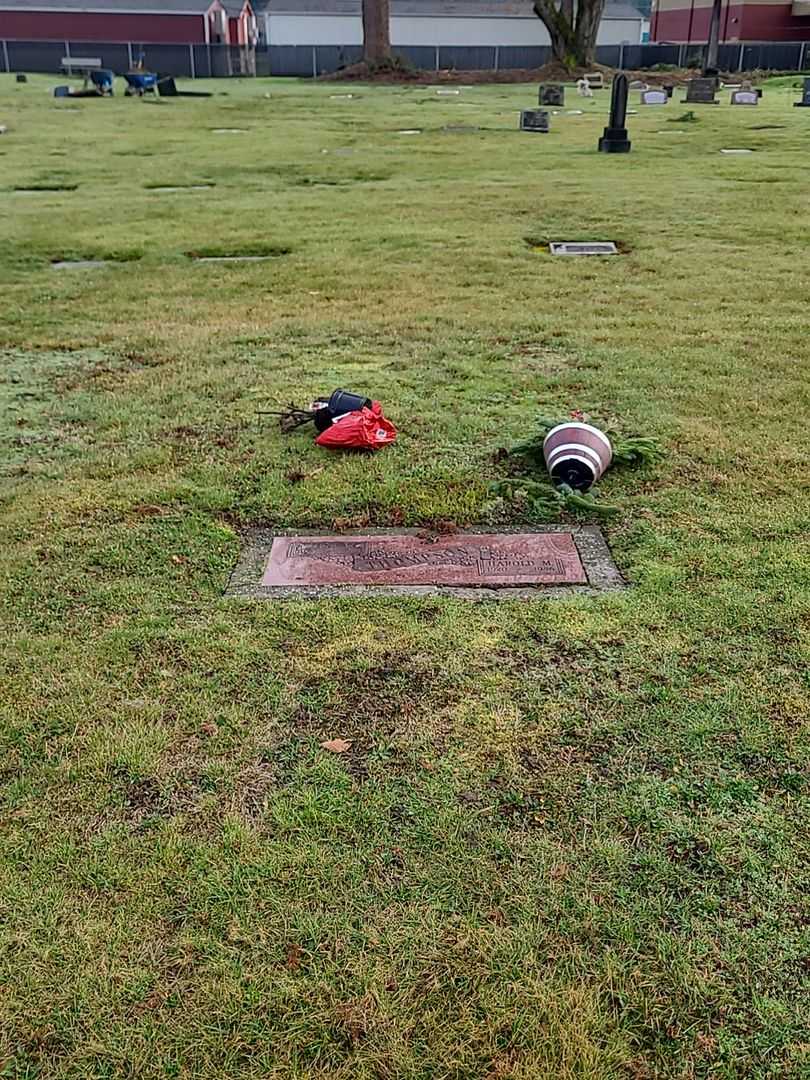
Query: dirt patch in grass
x,y
246,251
551,72
96,255
387,710
45,187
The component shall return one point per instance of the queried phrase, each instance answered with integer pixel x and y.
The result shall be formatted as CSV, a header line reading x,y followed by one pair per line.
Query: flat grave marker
x,y
78,264
595,247
552,560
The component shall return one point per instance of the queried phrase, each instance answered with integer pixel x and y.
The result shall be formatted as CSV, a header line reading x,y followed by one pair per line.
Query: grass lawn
x,y
570,838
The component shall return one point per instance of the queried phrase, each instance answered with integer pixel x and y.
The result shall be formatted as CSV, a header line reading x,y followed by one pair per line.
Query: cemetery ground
x,y
568,838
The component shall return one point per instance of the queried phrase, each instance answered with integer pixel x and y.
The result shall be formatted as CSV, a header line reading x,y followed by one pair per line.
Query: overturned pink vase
x,y
576,454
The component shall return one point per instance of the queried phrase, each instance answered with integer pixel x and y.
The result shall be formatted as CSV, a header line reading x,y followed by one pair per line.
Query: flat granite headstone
x,y
483,559
534,120
469,564
654,97
597,247
744,97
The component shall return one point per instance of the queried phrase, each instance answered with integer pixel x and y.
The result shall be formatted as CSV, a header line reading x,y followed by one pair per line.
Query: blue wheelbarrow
x,y
140,83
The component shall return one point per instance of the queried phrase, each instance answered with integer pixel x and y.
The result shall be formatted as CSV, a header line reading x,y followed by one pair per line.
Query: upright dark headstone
x,y
534,120
22,78
614,139
805,102
551,94
701,91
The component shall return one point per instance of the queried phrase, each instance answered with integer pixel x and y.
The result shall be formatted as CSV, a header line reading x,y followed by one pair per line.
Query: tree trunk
x,y
572,32
376,31
713,48
589,16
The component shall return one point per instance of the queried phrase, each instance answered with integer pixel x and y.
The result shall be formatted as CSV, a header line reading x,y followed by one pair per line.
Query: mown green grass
x,y
569,839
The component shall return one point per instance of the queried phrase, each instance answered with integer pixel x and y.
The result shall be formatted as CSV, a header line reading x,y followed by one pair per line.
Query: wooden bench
x,y
80,63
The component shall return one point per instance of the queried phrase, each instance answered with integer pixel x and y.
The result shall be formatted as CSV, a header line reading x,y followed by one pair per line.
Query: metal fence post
x,y
129,53
741,57
5,56
67,48
801,57
497,56
621,57
191,58
437,57
314,63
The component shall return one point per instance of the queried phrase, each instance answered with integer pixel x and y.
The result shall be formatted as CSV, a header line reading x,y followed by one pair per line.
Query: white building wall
x,y
432,30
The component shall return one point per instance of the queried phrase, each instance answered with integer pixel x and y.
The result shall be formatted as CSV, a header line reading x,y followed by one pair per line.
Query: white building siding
x,y
432,30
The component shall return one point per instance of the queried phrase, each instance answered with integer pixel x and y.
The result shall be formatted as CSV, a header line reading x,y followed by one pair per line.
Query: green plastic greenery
x,y
548,500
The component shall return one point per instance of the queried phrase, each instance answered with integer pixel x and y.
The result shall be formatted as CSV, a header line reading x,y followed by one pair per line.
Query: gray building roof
x,y
495,9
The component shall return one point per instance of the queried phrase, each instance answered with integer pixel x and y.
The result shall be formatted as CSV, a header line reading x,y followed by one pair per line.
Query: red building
x,y
193,22
740,20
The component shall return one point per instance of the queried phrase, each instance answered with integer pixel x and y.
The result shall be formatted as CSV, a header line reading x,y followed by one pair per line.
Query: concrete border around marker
x,y
245,580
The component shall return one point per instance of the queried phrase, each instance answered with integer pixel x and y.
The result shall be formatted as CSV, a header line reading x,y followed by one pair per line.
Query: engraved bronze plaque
x,y
489,560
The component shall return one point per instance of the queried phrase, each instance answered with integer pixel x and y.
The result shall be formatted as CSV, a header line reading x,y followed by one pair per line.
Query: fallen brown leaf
x,y
336,746
293,961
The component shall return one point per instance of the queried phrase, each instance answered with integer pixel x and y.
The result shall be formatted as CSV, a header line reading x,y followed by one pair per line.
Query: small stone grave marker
x,y
551,94
410,131
169,188
805,102
737,150
78,264
598,247
448,92
701,92
534,120
467,564
233,258
654,97
744,97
